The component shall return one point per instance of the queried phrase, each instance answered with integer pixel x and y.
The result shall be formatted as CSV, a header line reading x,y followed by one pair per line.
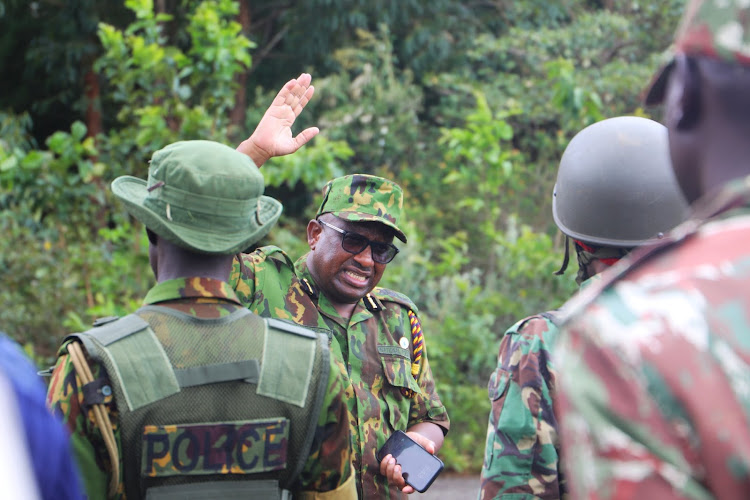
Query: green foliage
x,y
166,93
468,105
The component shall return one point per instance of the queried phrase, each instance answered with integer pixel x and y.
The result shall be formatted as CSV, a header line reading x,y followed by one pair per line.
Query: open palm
x,y
273,135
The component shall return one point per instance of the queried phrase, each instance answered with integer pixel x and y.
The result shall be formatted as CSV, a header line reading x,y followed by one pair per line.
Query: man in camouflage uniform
x,y
615,190
654,360
193,396
375,333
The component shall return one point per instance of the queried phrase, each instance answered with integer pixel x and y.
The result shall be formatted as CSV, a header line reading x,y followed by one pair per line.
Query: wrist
x,y
251,149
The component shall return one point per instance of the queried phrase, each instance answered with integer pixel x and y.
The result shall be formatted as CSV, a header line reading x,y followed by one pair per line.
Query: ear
x,y
314,230
684,101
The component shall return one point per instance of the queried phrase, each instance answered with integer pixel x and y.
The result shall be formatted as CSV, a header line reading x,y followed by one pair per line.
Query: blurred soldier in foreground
x,y
375,333
36,460
192,396
654,361
615,190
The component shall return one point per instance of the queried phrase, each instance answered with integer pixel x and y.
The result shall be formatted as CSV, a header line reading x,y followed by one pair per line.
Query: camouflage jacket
x,y
654,369
375,352
327,468
521,458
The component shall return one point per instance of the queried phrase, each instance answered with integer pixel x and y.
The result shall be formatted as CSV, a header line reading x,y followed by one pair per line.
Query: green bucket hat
x,y
203,196
365,198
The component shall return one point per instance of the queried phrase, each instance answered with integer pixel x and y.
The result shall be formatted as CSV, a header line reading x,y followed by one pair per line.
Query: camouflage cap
x,y
365,198
201,195
718,29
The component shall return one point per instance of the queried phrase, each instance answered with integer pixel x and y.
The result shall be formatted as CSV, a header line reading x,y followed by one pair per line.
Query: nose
x,y
364,258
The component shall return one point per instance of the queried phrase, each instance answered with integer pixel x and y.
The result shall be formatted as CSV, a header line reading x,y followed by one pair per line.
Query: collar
x,y
191,288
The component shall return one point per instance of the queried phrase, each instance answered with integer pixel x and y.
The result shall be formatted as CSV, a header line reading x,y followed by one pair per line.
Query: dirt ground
x,y
450,487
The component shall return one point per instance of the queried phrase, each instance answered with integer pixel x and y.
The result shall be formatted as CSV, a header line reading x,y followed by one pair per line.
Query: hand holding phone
x,y
419,467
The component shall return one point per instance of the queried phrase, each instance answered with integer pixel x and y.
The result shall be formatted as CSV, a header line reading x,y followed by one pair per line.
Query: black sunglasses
x,y
354,243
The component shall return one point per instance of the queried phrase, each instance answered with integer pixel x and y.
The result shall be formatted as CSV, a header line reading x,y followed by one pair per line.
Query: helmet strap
x,y
566,259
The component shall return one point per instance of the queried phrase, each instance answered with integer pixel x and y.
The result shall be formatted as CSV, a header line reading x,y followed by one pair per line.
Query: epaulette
x,y
387,295
550,316
272,251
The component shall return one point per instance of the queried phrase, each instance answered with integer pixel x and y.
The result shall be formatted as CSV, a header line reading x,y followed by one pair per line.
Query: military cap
x,y
718,29
203,196
365,198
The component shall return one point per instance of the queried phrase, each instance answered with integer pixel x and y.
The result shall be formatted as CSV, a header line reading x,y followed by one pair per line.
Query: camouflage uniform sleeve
x,y
329,465
521,452
623,431
426,405
65,399
242,277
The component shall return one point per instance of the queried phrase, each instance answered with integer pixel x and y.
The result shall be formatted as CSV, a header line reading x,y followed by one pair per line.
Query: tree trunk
x,y
93,105
238,113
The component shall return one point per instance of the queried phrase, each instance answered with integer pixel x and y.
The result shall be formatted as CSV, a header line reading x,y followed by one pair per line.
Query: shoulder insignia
x,y
372,304
308,288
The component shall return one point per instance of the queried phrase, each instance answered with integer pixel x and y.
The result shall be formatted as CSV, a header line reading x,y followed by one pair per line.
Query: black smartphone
x,y
418,466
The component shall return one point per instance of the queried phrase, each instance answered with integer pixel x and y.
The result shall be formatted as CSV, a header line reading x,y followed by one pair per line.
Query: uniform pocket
x,y
499,381
400,386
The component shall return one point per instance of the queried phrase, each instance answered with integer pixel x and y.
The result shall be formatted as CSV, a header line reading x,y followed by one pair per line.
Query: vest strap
x,y
249,370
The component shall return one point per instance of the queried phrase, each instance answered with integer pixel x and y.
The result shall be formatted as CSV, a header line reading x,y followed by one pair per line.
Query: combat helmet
x,y
615,185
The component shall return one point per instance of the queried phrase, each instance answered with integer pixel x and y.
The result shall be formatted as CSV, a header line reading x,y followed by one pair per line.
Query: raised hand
x,y
273,135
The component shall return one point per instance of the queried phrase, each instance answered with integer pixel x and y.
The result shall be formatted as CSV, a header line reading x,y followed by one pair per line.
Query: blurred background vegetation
x,y
468,105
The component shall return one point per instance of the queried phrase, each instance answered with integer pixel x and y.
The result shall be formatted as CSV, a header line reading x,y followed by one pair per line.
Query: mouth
x,y
356,278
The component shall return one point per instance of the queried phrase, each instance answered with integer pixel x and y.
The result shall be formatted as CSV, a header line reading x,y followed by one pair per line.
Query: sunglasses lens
x,y
383,253
354,243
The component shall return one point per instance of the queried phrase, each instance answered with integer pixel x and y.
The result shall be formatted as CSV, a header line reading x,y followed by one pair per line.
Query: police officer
x,y
375,333
654,361
615,190
193,395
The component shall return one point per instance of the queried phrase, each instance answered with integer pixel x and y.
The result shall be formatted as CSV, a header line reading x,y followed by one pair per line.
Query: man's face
x,y
344,277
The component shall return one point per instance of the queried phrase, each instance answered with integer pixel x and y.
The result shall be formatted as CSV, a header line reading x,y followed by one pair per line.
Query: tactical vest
x,y
211,408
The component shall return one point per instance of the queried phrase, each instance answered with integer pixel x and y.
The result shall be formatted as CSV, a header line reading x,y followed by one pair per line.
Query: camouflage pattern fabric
x,y
267,284
521,457
382,394
327,467
716,28
365,198
654,369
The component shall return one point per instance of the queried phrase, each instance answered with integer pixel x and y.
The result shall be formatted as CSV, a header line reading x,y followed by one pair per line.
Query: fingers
x,y
304,100
392,471
305,136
